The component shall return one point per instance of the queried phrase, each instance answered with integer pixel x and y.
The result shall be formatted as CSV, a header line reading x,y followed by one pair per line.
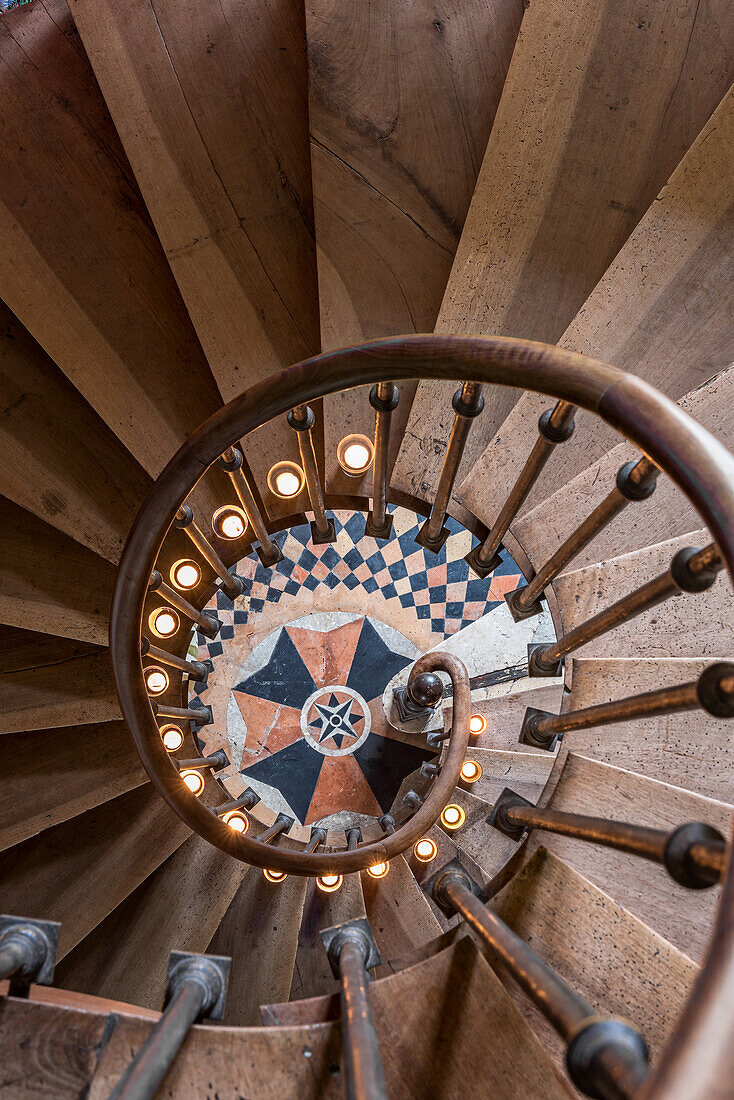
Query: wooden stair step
x,y
665,514
259,932
612,959
504,714
78,872
312,976
526,773
52,775
82,267
660,311
49,582
684,917
487,847
389,199
58,459
47,681
177,908
399,913
614,93
692,749
688,625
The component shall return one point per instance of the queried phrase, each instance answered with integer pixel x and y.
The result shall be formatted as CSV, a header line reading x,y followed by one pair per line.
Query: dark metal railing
x,y
301,420
215,761
232,461
207,624
195,670
605,1056
281,825
694,854
27,952
712,692
232,584
635,481
352,952
244,802
195,712
384,398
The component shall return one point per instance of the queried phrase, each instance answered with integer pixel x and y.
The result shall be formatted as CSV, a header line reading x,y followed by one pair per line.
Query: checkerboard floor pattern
x,y
438,586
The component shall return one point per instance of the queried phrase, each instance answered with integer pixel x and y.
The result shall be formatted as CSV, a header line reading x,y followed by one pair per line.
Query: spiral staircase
x,y
194,197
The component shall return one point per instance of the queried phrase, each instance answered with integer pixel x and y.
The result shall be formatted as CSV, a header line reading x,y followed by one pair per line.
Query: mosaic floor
x,y
304,655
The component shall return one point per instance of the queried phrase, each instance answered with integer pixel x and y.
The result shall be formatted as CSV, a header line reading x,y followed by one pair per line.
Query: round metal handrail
x,y
701,467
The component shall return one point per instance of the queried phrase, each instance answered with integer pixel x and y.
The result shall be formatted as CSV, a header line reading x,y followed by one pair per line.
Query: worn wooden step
x,y
177,908
525,772
612,959
47,681
49,776
50,582
660,311
504,713
684,917
665,514
613,94
82,267
688,625
398,911
58,459
78,872
259,932
212,111
692,749
390,196
312,975
487,847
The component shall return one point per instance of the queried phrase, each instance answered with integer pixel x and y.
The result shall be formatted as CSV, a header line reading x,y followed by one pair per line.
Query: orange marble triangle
x,y
327,656
270,727
341,786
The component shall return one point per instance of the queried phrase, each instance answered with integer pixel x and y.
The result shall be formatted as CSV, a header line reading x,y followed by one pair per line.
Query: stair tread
x,y
526,773
398,911
484,844
691,749
259,932
47,681
40,571
658,312
50,776
612,959
549,215
79,871
504,714
665,514
683,917
312,974
687,625
82,267
177,908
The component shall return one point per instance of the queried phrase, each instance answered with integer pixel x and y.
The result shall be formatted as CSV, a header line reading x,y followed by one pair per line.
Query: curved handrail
x,y
689,454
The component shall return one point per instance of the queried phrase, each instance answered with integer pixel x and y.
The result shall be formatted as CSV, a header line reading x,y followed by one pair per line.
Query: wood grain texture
x,y
688,625
613,960
399,913
684,917
48,581
82,267
402,100
259,932
312,976
58,459
693,750
661,310
47,681
177,908
79,871
50,776
602,101
665,514
210,104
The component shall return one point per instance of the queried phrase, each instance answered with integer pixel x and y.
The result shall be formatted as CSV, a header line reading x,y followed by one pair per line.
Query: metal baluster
x,y
693,569
195,670
694,854
606,1056
245,802
267,551
232,584
316,840
555,426
354,836
468,403
635,481
352,951
413,800
216,761
384,398
27,952
281,824
712,692
207,624
195,712
301,420
196,990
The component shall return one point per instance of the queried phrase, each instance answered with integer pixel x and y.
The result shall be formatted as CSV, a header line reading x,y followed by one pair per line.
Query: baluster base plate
x,y
319,539
482,569
520,615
